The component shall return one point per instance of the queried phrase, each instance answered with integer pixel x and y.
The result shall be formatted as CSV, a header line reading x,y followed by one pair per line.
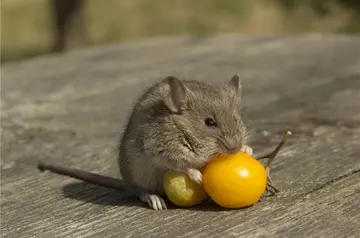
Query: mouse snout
x,y
231,145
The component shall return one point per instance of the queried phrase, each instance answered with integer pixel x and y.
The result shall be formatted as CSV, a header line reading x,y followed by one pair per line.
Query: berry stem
x,y
271,156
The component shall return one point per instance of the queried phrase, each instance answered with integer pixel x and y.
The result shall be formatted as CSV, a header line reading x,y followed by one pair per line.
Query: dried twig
x,y
271,156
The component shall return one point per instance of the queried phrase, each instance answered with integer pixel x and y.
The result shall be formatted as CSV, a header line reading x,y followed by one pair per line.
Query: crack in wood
x,y
330,182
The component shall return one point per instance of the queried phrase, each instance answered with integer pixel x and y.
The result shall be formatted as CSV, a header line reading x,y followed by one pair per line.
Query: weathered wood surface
x,y
72,108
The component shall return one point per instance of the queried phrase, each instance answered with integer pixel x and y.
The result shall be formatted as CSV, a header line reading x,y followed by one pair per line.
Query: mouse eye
x,y
210,122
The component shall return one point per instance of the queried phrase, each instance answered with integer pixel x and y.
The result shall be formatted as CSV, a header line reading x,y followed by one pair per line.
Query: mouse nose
x,y
232,150
232,145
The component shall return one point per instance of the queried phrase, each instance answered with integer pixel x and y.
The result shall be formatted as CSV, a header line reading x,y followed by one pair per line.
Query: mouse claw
x,y
154,201
195,175
247,149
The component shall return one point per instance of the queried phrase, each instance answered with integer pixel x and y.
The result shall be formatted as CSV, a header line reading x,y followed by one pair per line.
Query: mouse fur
x,y
179,125
174,125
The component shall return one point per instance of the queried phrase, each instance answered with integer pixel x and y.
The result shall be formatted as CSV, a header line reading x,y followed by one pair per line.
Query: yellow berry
x,y
234,181
181,190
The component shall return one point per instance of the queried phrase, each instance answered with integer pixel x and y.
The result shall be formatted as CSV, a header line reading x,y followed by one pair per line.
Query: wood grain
x,y
72,108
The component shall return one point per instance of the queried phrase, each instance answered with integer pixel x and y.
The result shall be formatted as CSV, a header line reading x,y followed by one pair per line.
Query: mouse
x,y
174,125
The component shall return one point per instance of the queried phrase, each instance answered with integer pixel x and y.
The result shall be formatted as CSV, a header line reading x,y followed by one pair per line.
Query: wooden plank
x,y
90,210
72,108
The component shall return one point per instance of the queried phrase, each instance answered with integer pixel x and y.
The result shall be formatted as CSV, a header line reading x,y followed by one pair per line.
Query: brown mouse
x,y
175,125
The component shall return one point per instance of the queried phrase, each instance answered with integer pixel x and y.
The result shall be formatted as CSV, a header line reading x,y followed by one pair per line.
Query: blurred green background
x,y
27,26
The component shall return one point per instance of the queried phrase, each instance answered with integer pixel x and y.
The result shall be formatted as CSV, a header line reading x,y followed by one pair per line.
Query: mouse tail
x,y
85,176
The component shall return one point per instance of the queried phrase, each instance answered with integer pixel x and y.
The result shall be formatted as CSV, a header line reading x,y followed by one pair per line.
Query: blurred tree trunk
x,y
63,14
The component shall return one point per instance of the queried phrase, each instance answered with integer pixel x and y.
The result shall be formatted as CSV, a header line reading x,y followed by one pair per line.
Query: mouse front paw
x,y
247,149
195,175
154,201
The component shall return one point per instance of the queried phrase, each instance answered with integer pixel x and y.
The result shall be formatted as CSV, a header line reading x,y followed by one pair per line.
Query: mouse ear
x,y
175,100
234,87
